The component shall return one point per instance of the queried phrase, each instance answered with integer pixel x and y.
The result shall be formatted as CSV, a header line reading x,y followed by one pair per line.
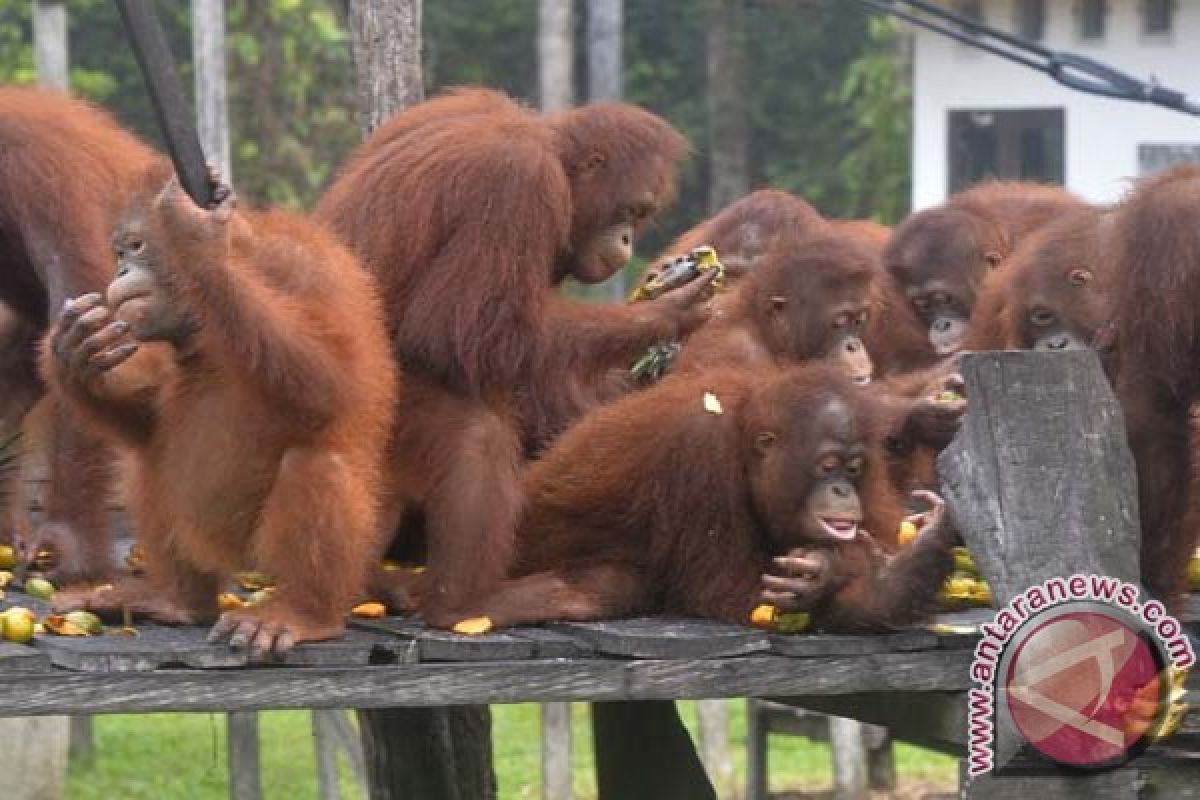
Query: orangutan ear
x,y
763,442
594,161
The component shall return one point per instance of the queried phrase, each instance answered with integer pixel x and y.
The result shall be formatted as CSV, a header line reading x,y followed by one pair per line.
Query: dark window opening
x,y
1031,19
1026,144
1157,17
1093,18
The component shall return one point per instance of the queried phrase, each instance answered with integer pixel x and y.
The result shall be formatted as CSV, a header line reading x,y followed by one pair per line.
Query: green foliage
x,y
827,93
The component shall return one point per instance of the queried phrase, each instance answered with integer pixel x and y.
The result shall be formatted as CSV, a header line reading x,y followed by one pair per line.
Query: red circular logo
x,y
1084,688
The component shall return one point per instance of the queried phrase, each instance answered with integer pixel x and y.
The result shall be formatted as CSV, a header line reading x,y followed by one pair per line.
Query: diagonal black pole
x,y
174,114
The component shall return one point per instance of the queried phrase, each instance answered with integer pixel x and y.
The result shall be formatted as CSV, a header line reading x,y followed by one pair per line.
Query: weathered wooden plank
x,y
807,645
62,692
158,646
438,645
936,720
553,644
1040,479
21,657
849,759
556,751
663,637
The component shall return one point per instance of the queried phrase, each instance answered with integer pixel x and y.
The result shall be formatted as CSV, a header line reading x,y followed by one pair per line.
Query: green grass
x,y
182,757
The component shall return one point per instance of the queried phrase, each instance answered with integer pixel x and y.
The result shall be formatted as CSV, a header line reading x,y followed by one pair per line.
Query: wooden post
x,y
713,716
386,44
643,752
50,43
438,753
556,751
81,740
757,741
245,775
33,759
728,117
881,761
849,759
208,60
1041,484
556,55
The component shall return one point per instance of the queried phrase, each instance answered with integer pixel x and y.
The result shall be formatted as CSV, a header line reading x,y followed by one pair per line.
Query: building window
x,y
1093,18
1025,144
1157,17
1031,19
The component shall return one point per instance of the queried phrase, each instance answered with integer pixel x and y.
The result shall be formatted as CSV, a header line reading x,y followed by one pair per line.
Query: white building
x,y
976,115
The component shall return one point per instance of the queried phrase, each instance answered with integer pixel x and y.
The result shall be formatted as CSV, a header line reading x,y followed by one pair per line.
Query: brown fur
x,y
954,246
656,505
1058,269
66,169
257,440
470,211
1155,264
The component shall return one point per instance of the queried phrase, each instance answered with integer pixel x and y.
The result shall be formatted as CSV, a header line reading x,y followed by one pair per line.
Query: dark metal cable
x,y
1073,71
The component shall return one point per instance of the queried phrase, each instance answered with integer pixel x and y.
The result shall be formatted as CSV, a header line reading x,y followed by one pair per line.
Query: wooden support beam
x,y
245,774
443,753
556,751
643,752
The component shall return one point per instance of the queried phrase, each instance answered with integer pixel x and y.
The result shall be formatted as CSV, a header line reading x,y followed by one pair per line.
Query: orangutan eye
x,y
829,464
1042,317
939,298
1080,276
854,467
843,320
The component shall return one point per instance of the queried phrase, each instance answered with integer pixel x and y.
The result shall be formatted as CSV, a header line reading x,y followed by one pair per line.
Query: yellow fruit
x,y
60,625
228,601
908,532
252,581
391,566
261,596
981,594
5,578
370,610
963,562
474,626
8,556
946,397
39,588
1193,573
18,627
763,616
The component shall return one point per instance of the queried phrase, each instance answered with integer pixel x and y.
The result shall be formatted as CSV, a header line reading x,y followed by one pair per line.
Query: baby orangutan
x,y
239,360
711,494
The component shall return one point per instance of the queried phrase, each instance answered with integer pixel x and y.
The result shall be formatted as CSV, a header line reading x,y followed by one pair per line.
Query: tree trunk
x,y
604,59
208,59
729,135
556,54
604,22
386,43
50,43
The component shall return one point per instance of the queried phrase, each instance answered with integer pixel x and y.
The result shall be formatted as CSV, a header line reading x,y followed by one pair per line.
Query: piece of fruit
x,y
18,628
61,626
946,397
228,601
261,596
793,622
391,566
371,610
763,616
474,626
85,620
1193,573
39,588
5,578
8,556
253,581
908,532
963,561
44,560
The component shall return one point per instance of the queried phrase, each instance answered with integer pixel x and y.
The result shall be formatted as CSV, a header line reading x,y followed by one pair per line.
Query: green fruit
x,y
85,620
39,588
